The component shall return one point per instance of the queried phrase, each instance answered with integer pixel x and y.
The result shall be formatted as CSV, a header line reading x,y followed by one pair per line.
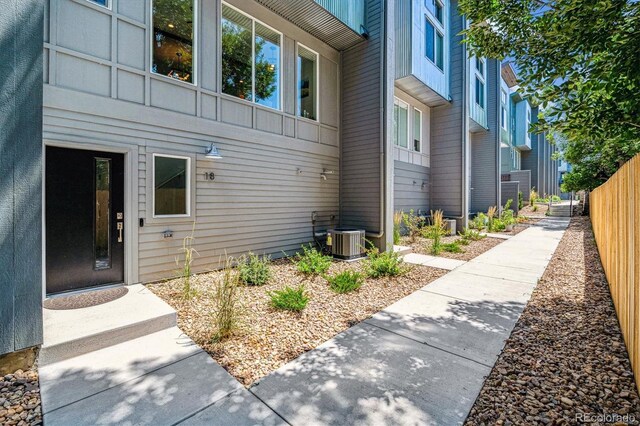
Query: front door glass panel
x,y
102,243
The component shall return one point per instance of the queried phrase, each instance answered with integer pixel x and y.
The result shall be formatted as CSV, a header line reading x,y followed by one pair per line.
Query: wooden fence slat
x,y
615,217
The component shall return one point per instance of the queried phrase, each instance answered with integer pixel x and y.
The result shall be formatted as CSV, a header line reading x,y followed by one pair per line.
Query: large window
x,y
173,36
503,109
417,130
171,185
400,123
307,69
434,44
480,82
250,59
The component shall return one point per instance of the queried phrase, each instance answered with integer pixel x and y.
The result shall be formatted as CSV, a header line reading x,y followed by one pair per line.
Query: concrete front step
x,y
70,333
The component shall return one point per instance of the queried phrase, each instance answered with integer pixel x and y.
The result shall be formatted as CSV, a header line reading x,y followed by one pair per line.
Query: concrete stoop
x,y
70,333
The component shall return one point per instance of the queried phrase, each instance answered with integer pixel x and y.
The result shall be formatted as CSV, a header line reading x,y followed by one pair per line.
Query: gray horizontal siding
x,y
362,126
524,178
509,191
410,187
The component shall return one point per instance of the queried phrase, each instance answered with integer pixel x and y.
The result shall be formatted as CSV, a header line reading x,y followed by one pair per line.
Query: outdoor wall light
x,y
212,153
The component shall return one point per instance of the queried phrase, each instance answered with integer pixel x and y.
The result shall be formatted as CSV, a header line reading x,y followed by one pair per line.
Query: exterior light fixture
x,y
212,153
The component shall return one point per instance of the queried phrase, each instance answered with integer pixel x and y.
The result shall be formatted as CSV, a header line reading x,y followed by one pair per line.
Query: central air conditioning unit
x,y
346,243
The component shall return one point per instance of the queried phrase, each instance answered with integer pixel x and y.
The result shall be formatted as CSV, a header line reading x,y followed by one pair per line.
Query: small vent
x,y
347,243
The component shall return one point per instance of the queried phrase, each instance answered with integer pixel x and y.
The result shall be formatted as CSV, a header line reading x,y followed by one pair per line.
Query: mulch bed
x,y
565,362
269,338
540,213
20,398
475,248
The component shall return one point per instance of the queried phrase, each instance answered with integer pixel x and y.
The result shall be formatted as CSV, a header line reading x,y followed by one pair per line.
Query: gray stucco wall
x,y
21,23
485,148
447,150
410,187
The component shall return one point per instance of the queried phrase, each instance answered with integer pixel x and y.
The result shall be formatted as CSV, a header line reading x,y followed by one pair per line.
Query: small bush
x,y
464,241
255,270
533,196
535,208
471,235
397,223
228,310
345,282
497,225
436,230
555,199
185,271
413,223
312,262
520,200
379,264
491,213
479,222
453,247
289,299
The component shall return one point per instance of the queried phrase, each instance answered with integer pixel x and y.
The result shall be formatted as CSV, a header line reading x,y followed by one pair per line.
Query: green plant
x,y
185,271
520,200
225,299
345,282
491,213
289,298
436,230
533,196
387,263
479,222
498,225
413,223
453,247
471,234
312,261
535,208
397,224
463,241
255,270
508,204
555,199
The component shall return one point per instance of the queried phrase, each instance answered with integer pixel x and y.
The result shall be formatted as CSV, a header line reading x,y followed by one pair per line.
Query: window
x,y
307,69
417,130
173,35
480,66
104,3
503,109
434,44
438,11
102,214
400,123
479,92
480,82
171,176
250,59
528,124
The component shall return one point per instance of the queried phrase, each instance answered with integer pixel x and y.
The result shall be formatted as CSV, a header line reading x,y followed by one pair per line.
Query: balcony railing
x,y
349,12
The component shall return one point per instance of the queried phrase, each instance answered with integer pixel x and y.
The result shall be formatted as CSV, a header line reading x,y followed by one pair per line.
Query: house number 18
x,y
209,176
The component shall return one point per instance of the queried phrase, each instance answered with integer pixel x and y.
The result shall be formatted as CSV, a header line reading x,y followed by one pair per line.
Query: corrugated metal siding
x,y
410,187
362,127
350,12
21,165
446,133
485,147
402,27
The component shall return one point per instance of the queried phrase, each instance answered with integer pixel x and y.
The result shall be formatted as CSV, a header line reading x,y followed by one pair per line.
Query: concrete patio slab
x,y
501,272
71,380
497,235
433,261
369,376
163,396
474,330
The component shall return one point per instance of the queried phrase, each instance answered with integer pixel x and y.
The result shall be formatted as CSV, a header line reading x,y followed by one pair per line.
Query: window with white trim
x,y
251,58
172,51
503,109
171,185
103,3
528,123
307,83
417,130
480,88
400,123
434,43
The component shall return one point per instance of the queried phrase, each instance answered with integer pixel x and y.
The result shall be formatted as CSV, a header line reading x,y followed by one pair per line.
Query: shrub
x,y
345,282
533,196
228,310
555,199
185,270
471,235
397,223
498,225
255,270
312,262
520,200
289,299
464,241
453,247
479,222
413,223
491,213
379,264
436,230
535,208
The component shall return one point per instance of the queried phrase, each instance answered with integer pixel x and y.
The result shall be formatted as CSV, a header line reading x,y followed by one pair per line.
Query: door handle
x,y
120,227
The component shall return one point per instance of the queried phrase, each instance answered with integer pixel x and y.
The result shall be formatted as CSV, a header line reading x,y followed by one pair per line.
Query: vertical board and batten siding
x,y
615,217
21,24
362,127
485,148
447,145
403,37
258,201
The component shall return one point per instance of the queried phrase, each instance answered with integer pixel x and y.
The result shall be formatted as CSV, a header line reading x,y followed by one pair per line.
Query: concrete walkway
x,y
433,261
423,360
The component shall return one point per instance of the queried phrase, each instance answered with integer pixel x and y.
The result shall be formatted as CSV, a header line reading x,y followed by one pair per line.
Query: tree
x,y
580,61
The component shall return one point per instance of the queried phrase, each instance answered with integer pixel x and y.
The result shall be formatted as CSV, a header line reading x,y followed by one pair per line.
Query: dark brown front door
x,y
84,213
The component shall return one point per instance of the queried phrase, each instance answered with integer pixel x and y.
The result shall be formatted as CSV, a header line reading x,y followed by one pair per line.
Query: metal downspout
x,y
465,135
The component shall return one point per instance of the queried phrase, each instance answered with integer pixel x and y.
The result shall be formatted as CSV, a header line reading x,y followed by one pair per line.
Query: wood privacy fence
x,y
615,213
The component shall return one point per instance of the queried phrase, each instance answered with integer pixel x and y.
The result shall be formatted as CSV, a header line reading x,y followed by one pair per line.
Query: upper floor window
x,y
438,11
528,123
434,43
480,82
104,3
250,59
400,123
173,36
307,70
417,130
503,109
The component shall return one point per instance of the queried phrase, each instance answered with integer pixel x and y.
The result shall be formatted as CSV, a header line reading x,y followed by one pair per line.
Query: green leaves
x,y
579,60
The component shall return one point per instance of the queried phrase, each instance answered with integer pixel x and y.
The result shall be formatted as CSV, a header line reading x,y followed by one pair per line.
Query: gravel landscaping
x,y
474,249
20,398
269,338
565,361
